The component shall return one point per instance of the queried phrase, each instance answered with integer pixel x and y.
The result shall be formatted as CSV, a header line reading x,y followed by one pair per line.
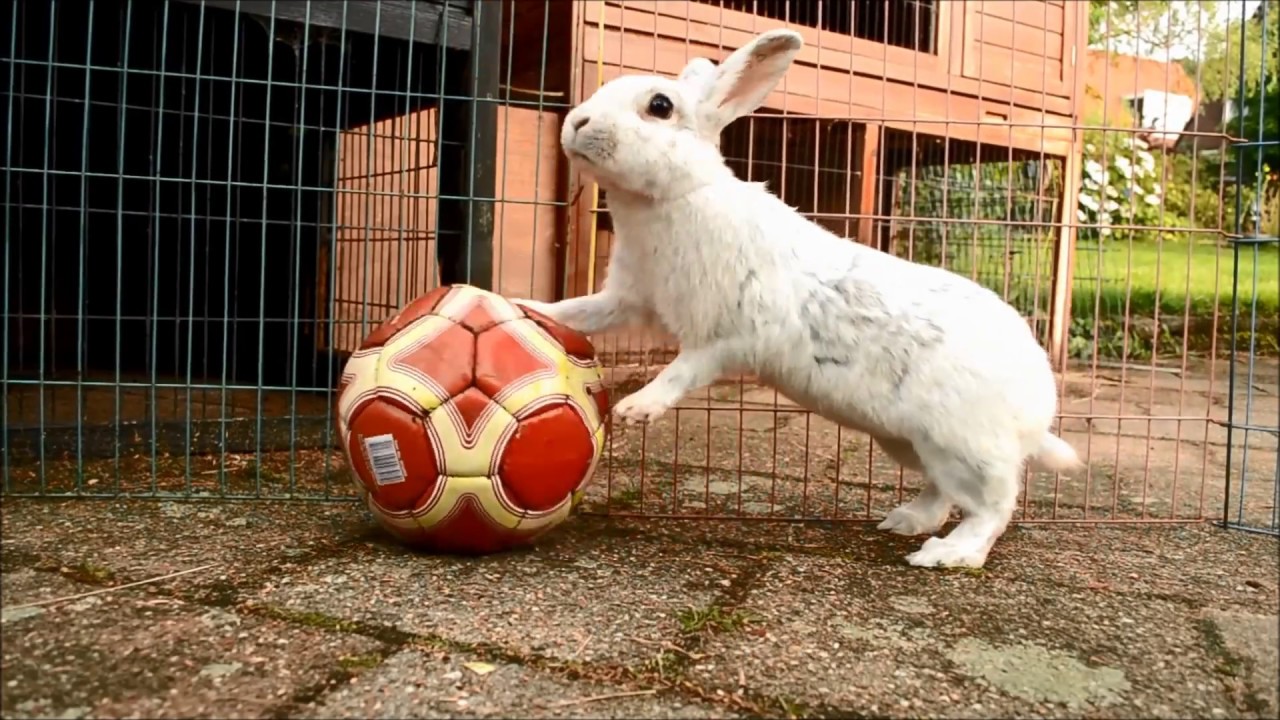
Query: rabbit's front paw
x,y
636,408
534,305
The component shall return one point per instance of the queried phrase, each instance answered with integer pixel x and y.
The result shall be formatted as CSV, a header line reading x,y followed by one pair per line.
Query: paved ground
x,y
308,611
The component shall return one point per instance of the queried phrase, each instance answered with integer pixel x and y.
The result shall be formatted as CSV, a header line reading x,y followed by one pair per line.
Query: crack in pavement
x,y
227,595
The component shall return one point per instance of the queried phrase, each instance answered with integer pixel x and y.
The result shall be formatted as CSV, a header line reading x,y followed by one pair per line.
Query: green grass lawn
x,y
1146,272
1170,272
1184,277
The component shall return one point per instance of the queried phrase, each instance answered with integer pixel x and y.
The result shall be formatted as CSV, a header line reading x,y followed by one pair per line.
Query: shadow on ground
x,y
306,610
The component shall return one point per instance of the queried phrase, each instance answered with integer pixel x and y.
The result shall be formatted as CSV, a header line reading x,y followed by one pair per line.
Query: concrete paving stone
x,y
1064,621
140,654
1250,651
148,539
849,634
23,587
414,684
571,598
1197,564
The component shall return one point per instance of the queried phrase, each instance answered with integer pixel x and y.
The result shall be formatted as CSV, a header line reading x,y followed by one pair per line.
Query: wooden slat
x,y
895,62
999,32
982,121
430,22
643,20
1006,59
1032,12
1031,72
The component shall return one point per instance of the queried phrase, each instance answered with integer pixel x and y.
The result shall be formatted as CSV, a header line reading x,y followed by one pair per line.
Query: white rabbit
x,y
944,374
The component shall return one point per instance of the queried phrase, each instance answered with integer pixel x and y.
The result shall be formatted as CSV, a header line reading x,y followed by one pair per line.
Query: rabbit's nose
x,y
580,123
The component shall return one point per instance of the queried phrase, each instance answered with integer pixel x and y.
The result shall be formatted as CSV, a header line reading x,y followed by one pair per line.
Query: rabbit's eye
x,y
660,106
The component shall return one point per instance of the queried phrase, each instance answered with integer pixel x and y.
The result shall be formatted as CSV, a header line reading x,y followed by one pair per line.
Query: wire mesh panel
x,y
1252,499
1068,156
209,205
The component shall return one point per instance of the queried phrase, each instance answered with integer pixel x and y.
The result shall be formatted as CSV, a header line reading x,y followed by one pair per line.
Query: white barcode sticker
x,y
384,459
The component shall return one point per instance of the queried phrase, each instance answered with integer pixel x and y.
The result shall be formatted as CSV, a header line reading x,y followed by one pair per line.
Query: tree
x,y
1260,121
1150,27
1219,67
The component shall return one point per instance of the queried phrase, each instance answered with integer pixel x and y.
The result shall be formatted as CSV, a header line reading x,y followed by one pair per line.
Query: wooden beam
x,y
483,73
1064,256
1064,265
868,169
432,21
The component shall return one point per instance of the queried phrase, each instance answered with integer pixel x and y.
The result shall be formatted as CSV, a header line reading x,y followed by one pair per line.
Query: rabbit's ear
x,y
741,83
698,75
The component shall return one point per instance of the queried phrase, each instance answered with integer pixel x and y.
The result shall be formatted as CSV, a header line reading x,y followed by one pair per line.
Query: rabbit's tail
x,y
1055,455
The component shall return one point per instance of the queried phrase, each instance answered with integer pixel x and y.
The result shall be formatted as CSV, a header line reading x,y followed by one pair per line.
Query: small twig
x,y
581,647
101,591
598,698
757,558
1133,366
666,646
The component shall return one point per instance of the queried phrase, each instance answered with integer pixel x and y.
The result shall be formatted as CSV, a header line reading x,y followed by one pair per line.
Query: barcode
x,y
384,459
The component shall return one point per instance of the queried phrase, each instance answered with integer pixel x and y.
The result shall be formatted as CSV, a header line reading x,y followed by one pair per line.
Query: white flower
x,y
1111,205
1112,191
1156,189
1105,231
1089,148
1125,168
1095,171
1147,159
1084,216
1152,199
1089,202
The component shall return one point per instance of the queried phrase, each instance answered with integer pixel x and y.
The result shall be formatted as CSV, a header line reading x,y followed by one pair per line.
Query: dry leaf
x,y
479,668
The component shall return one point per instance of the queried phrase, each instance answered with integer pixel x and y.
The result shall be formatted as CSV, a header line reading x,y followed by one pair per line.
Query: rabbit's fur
x,y
944,374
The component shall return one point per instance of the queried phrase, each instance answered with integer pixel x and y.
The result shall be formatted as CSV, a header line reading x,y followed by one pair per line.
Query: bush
x,y
1125,183
1121,187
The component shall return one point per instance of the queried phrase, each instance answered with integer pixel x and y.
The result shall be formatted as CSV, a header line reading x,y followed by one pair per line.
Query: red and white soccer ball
x,y
472,424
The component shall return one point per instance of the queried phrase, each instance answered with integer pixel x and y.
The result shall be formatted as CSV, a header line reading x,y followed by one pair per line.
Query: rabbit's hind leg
x,y
986,490
930,509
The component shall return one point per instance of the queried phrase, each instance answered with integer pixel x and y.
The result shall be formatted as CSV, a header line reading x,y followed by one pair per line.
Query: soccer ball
x,y
472,425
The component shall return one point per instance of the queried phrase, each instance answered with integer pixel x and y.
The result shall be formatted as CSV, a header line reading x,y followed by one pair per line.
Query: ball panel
x,y
598,440
467,532
523,368
344,441
488,495
422,305
358,382
548,458
470,432
504,362
575,344
477,309
390,453
600,394
429,362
